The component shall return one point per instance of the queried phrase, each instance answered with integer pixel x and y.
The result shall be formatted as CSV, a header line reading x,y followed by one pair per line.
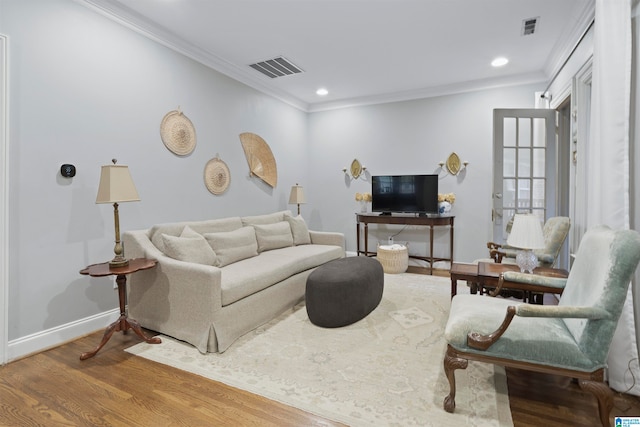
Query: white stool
x,y
394,258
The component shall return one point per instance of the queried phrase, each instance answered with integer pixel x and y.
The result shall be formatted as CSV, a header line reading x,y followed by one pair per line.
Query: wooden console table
x,y
403,219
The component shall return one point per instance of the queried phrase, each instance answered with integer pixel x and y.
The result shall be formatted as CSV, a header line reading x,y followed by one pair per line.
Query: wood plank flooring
x,y
55,388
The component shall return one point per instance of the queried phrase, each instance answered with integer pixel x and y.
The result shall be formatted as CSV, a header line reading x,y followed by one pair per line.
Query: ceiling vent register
x,y
276,67
529,25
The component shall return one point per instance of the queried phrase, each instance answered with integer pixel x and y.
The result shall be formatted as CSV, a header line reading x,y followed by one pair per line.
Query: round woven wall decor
x,y
178,133
216,176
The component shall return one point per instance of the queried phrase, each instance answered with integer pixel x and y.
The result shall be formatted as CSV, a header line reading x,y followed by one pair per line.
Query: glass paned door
x,y
524,166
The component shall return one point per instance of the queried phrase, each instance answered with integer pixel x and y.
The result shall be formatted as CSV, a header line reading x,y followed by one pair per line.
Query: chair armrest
x,y
565,312
493,245
483,342
535,279
496,255
546,259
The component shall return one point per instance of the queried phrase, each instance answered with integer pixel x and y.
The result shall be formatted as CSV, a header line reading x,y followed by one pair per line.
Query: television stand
x,y
435,221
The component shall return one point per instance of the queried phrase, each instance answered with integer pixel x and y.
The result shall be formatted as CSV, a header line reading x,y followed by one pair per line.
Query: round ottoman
x,y
394,258
343,291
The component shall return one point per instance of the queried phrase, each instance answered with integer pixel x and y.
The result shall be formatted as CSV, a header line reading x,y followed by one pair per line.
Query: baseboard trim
x,y
44,340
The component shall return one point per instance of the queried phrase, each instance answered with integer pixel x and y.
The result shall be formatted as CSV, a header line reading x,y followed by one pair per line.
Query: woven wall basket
x,y
217,176
178,133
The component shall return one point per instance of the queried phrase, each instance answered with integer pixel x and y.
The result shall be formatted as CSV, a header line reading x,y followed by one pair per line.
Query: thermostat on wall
x,y
68,171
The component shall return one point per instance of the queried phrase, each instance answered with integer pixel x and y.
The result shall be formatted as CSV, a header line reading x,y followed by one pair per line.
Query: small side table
x,y
124,323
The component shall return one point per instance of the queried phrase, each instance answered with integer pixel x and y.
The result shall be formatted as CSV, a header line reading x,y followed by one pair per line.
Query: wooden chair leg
x,y
451,363
603,393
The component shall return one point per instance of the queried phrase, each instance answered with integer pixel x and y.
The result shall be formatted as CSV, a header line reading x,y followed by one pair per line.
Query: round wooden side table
x,y
124,323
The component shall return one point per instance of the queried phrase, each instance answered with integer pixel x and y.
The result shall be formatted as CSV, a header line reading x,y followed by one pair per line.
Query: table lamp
x,y
116,186
526,234
297,196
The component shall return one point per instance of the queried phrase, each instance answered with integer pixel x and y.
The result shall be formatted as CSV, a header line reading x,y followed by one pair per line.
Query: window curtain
x,y
607,159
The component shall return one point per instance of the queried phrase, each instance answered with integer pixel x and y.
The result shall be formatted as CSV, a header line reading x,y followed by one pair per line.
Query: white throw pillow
x,y
232,246
299,230
189,247
273,236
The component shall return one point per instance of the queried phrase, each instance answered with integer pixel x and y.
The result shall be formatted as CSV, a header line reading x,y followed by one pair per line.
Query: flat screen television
x,y
405,194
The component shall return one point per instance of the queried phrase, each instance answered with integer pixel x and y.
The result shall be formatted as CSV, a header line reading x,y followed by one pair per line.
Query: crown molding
x,y
140,24
562,50
432,92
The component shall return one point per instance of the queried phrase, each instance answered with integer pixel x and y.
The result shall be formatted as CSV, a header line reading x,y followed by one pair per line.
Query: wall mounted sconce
x,y
453,164
356,169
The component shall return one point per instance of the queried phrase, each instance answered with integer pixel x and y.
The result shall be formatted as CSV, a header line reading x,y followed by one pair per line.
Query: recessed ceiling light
x,y
322,92
500,62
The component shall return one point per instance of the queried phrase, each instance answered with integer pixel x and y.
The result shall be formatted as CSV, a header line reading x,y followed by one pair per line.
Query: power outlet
x,y
115,282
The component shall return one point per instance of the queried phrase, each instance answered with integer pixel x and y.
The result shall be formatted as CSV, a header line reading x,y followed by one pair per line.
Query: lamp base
x,y
118,262
527,261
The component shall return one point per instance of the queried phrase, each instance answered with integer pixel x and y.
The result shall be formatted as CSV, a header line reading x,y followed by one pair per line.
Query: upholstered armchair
x,y
555,232
571,339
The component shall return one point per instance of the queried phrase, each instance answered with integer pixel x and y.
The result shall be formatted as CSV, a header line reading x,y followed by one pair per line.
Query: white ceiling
x,y
364,51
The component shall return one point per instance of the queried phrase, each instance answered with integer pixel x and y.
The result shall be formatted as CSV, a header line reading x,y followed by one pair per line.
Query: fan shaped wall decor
x,y
260,158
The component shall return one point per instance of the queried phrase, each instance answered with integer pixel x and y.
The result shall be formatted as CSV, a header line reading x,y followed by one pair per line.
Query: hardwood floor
x,y
117,389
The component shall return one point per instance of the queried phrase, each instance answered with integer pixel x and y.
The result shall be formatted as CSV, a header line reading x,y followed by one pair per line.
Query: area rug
x,y
385,370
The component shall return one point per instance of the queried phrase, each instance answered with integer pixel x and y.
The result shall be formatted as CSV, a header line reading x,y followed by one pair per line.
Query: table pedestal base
x,y
122,324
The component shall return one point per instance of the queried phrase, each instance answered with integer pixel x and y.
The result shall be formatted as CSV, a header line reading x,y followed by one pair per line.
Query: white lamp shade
x,y
526,232
297,195
116,185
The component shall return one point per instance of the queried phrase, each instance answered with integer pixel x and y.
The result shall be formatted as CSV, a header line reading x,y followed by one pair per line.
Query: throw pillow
x,y
189,246
232,246
299,230
273,236
265,219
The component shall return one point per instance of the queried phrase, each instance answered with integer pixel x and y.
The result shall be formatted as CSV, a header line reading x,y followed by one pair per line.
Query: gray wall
x,y
406,138
84,89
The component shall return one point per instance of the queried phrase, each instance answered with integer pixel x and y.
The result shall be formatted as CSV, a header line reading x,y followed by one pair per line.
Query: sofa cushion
x,y
201,227
252,275
299,230
233,246
273,236
265,219
189,246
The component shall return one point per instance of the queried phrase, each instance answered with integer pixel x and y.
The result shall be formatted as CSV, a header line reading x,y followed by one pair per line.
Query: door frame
x,y
4,199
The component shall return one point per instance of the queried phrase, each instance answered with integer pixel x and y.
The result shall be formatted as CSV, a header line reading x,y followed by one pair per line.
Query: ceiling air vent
x,y
529,25
276,67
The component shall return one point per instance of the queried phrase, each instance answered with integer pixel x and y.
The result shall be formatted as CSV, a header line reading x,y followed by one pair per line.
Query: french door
x,y
524,173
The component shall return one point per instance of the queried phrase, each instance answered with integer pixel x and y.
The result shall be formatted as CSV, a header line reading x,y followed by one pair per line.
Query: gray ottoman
x,y
343,291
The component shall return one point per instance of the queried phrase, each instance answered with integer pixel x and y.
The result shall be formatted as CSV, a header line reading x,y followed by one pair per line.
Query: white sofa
x,y
219,279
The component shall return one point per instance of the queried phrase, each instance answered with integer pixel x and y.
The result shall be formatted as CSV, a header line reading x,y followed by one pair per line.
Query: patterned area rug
x,y
385,370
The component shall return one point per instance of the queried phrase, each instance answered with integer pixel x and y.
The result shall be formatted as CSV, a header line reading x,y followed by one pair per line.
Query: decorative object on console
x,y
260,158
217,176
178,133
445,202
363,198
526,234
116,186
453,164
356,169
296,197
